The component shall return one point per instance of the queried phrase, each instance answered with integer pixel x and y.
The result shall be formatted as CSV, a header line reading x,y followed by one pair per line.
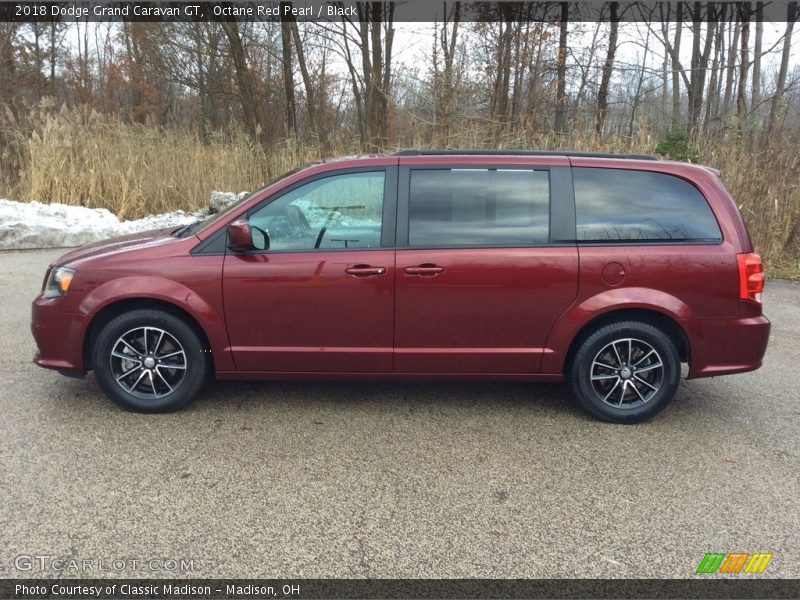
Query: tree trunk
x,y
532,107
288,72
699,64
376,64
639,85
375,115
676,79
587,69
53,52
311,103
780,84
755,98
711,97
744,63
520,54
388,25
561,87
731,70
444,97
503,76
358,97
608,66
247,94
723,27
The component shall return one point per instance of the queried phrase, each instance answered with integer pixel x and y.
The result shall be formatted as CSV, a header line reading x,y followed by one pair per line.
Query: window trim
x,y
694,242
561,205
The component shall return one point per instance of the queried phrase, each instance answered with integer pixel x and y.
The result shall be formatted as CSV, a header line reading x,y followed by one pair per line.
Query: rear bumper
x,y
59,337
726,346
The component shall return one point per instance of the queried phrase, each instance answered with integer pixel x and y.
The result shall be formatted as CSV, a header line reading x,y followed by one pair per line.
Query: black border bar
x,y
200,589
404,10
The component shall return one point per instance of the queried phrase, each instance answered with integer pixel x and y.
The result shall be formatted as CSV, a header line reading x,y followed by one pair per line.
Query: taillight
x,y
751,277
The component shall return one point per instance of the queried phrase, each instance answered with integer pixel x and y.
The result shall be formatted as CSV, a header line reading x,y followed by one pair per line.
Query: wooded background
x,y
147,117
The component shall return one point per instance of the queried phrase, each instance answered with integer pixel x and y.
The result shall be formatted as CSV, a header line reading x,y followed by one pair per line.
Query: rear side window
x,y
616,205
478,207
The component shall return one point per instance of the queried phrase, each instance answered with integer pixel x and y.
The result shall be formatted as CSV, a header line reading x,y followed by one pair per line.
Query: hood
x,y
118,245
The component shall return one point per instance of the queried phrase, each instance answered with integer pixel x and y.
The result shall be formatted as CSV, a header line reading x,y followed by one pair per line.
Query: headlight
x,y
58,283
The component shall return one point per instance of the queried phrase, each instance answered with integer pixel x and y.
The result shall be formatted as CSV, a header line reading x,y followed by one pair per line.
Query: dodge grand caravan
x,y
604,271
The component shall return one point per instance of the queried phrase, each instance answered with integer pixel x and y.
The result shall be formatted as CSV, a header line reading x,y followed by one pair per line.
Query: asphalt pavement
x,y
315,480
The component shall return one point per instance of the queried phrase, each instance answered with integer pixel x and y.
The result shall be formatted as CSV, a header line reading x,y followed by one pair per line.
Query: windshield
x,y
200,225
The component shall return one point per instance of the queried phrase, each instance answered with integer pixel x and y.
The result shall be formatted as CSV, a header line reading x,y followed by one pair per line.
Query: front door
x,y
483,278
321,298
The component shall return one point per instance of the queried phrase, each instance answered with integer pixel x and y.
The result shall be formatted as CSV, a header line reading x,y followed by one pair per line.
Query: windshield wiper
x,y
186,230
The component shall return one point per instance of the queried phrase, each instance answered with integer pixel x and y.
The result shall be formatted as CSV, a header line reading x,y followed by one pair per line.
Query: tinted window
x,y
620,205
478,207
341,211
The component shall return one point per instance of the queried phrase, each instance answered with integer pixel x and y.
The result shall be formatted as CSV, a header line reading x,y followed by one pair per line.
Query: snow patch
x,y
27,225
221,200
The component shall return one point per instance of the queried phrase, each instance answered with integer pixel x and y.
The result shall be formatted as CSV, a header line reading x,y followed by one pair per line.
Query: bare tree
x,y
252,115
311,105
639,84
444,83
535,79
699,62
374,38
712,97
780,84
507,32
730,74
674,51
8,58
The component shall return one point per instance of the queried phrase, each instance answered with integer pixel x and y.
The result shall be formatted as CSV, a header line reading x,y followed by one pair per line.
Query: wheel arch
x,y
673,330
118,307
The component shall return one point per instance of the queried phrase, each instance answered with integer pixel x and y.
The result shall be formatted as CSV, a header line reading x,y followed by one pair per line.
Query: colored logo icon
x,y
734,562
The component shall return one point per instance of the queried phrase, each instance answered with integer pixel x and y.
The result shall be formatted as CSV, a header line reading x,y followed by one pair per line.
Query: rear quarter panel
x,y
685,282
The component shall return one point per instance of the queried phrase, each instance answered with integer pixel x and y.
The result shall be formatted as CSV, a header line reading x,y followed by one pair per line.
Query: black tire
x,y
615,377
131,347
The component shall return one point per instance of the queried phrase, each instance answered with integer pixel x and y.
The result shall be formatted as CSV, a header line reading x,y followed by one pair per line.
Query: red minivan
x,y
605,271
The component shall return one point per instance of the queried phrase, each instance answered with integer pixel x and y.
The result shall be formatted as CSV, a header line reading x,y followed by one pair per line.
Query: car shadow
x,y
384,395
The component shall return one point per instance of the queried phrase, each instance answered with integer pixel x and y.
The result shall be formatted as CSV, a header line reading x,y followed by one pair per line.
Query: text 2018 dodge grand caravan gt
x,y
605,271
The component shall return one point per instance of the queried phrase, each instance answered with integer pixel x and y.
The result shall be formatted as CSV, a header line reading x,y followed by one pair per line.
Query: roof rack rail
x,y
572,153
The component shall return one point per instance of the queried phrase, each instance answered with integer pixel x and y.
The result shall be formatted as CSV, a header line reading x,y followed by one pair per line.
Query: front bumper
x,y
726,346
58,335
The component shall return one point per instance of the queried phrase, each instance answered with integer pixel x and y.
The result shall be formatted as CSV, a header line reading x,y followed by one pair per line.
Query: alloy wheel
x,y
148,362
627,373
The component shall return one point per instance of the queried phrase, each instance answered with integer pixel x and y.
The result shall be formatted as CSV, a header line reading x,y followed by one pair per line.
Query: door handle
x,y
365,271
426,270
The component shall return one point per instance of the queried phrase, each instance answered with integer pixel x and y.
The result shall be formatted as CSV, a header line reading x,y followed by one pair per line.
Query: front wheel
x,y
149,361
625,372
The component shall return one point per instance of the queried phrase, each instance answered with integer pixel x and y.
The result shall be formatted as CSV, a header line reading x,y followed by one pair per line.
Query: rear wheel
x,y
625,372
149,361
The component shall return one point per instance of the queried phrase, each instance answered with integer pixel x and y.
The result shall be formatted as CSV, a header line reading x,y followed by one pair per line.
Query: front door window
x,y
338,212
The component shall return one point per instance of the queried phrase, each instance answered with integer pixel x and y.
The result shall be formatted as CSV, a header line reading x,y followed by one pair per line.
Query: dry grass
x,y
78,156
766,186
82,157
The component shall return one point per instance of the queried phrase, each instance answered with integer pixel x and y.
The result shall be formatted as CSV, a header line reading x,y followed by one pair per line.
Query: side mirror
x,y
239,236
243,237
